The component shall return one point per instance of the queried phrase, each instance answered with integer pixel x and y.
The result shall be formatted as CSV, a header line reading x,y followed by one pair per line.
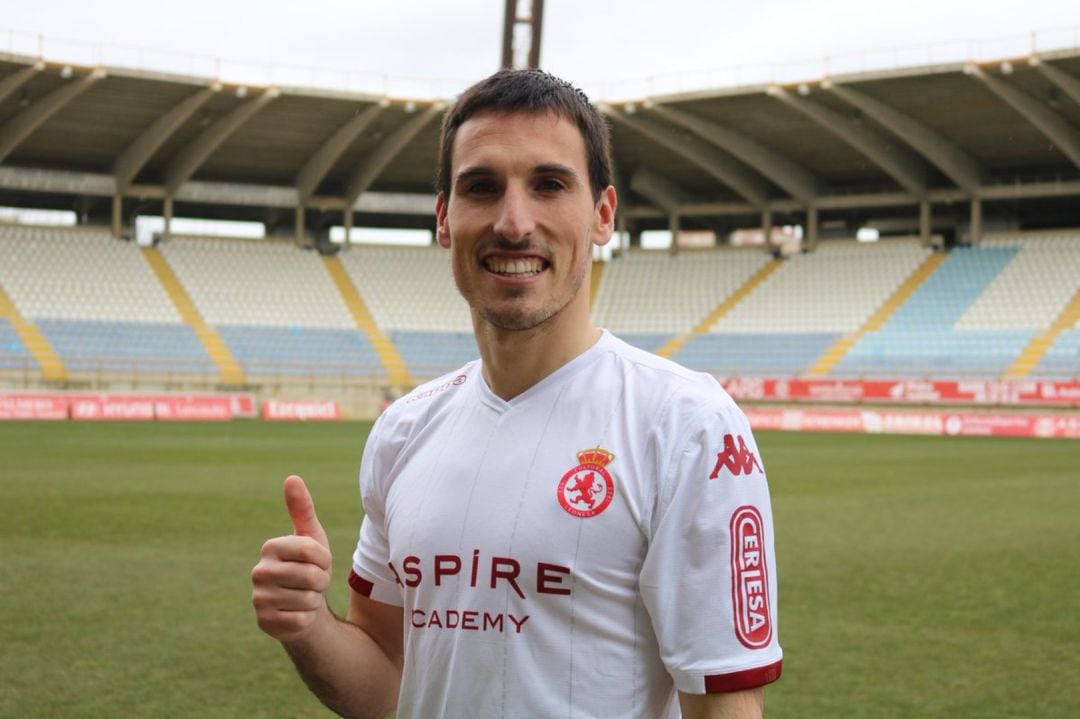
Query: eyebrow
x,y
555,169
548,168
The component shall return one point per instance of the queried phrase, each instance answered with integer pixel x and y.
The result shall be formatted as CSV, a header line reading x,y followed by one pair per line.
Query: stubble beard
x,y
509,312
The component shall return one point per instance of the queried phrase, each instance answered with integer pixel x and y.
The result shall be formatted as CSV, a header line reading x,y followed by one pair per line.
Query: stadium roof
x,y
855,146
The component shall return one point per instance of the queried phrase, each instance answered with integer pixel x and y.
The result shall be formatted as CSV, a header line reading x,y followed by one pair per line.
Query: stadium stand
x,y
80,274
1032,289
95,301
273,305
978,312
922,339
802,309
280,312
1041,289
15,355
646,297
411,295
1062,359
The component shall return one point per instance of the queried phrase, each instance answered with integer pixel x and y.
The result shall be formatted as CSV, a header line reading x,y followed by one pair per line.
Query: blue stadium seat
x,y
13,353
1062,360
85,345
430,354
755,354
301,350
921,339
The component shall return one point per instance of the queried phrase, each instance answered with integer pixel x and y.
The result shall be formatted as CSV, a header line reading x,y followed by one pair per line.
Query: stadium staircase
x,y
229,369
52,368
673,345
876,321
384,347
1041,343
594,282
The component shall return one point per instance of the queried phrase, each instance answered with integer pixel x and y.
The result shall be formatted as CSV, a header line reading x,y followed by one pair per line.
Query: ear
x,y
604,221
442,230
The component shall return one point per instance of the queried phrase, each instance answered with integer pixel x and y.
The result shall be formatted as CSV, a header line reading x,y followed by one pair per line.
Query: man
x,y
566,527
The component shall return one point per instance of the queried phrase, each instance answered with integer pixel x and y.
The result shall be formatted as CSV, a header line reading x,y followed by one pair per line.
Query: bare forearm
x,y
346,669
745,704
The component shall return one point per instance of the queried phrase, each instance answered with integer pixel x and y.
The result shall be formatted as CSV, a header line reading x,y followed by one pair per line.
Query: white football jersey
x,y
582,550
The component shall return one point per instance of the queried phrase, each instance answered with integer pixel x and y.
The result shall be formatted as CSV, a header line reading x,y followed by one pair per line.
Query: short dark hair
x,y
530,91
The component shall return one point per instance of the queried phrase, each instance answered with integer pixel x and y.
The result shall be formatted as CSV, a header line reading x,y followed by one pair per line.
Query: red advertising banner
x,y
125,407
843,391
191,408
32,405
242,405
915,422
99,407
303,410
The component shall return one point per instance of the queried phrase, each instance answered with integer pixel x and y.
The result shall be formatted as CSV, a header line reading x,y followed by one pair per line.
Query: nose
x,y
515,221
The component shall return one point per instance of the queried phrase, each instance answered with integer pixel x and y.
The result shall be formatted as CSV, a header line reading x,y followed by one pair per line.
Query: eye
x,y
550,184
481,187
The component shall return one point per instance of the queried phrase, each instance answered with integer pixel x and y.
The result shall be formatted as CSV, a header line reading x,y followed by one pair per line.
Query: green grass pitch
x,y
919,577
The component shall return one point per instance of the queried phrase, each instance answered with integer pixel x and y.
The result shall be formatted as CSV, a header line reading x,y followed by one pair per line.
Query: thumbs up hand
x,y
302,511
290,581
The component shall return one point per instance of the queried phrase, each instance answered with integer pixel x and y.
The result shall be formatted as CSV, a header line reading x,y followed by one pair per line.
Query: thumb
x,y
302,511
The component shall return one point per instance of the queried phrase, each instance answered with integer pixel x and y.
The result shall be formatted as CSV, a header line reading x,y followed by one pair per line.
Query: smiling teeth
x,y
522,267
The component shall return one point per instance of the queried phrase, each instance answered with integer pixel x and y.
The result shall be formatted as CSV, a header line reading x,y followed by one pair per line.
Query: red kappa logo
x,y
587,489
738,459
750,578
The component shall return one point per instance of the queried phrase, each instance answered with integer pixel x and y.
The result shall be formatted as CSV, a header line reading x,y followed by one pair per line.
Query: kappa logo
x,y
587,489
450,384
736,457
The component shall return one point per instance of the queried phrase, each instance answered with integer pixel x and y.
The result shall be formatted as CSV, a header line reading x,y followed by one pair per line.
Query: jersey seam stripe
x,y
517,517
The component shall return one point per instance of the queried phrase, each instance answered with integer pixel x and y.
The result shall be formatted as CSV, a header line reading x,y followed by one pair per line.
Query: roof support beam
x,y
707,157
17,79
285,197
946,155
618,180
22,125
191,158
1063,80
377,161
744,182
907,169
138,153
660,191
1055,127
315,169
794,179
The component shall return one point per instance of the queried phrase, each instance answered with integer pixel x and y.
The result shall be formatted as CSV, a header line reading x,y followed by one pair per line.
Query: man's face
x,y
520,219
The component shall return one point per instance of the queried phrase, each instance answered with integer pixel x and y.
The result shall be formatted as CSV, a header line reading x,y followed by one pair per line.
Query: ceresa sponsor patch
x,y
750,578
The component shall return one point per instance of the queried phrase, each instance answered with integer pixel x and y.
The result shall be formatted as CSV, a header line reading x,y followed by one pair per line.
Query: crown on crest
x,y
597,456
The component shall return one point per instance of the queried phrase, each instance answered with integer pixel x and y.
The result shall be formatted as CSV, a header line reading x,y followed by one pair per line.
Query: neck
x,y
514,361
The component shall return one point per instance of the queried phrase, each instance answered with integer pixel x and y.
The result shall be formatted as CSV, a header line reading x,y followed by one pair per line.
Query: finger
x,y
284,625
302,511
288,600
293,548
290,575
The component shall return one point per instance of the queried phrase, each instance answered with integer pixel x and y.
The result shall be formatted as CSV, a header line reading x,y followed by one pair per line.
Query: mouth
x,y
515,267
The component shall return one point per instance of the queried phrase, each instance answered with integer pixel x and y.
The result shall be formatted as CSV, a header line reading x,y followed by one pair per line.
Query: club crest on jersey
x,y
587,489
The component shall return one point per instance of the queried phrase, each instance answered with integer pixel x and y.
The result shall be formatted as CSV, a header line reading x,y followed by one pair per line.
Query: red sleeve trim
x,y
359,584
746,679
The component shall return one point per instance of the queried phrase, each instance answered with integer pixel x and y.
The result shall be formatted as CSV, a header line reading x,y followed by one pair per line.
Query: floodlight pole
x,y
511,19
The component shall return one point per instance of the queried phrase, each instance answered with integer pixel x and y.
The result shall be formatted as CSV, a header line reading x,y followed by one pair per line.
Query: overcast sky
x,y
612,48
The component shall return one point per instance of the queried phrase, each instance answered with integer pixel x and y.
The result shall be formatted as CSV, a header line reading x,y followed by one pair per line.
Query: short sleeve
x,y
709,576
371,574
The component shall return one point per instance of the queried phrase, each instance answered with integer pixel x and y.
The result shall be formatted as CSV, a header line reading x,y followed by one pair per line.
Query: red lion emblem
x,y
587,489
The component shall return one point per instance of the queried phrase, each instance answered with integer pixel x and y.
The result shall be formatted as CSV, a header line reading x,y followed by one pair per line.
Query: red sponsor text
x,y
750,578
